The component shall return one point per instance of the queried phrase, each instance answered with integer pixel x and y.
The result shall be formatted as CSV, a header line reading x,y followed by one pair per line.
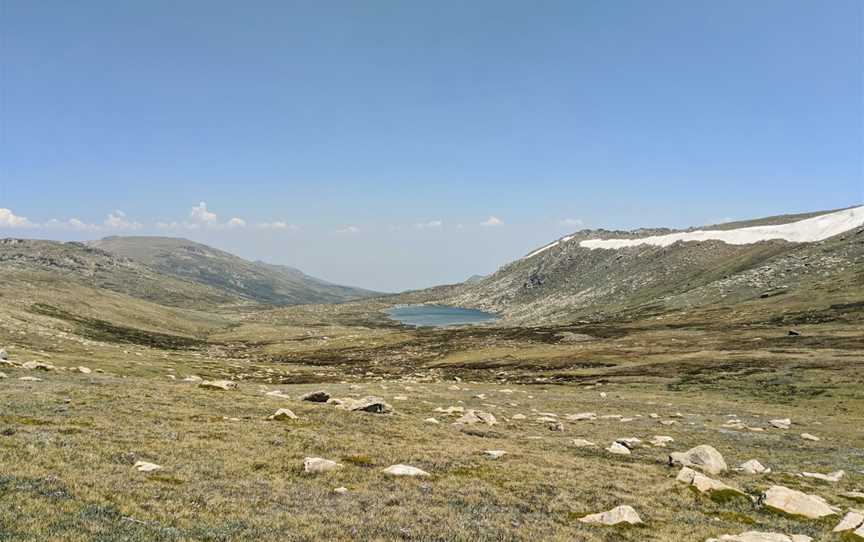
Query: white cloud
x,y
236,223
432,224
492,221
201,215
118,221
570,222
276,225
8,219
349,229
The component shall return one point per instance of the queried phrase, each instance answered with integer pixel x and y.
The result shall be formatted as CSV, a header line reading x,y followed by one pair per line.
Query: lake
x,y
438,315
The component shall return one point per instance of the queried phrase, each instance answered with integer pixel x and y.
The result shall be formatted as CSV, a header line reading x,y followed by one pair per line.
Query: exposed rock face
x,y
619,514
476,416
224,385
316,465
404,470
795,503
319,396
703,457
851,523
370,403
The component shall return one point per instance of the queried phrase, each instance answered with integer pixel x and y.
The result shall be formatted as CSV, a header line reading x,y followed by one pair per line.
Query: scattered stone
x,y
144,466
30,379
83,370
753,467
757,536
629,442
518,417
451,410
703,484
3,375
225,385
33,365
830,477
341,491
703,457
432,421
282,414
193,378
277,394
619,514
404,470
3,354
476,416
661,441
555,426
783,423
853,495
495,454
808,436
319,396
582,443
581,416
793,333
796,503
400,398
618,448
316,465
370,403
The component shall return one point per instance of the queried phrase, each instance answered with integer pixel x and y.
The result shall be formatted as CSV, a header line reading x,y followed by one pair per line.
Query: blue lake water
x,y
438,315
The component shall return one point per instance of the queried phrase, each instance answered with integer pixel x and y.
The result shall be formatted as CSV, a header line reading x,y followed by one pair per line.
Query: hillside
x,y
252,281
595,274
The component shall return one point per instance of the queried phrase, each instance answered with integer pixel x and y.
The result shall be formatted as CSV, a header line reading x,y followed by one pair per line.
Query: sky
x,y
396,145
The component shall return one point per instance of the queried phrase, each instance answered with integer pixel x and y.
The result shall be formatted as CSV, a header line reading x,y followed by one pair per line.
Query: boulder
x,y
144,466
224,385
282,414
619,514
703,457
850,522
476,416
795,503
404,470
370,403
753,467
316,465
708,486
618,448
629,442
319,396
782,423
830,477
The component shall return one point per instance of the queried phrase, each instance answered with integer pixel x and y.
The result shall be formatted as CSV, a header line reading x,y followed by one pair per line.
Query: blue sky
x,y
361,125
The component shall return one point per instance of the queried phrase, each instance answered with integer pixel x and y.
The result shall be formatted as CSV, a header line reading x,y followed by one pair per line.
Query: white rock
x,y
808,436
3,354
404,470
193,378
30,379
495,454
278,394
33,365
703,457
581,416
370,403
476,416
144,466
796,503
851,521
341,491
782,423
619,514
224,385
83,370
756,536
3,375
518,417
618,448
629,442
582,443
835,476
282,414
315,465
660,440
753,467
451,410
709,486
854,495
432,421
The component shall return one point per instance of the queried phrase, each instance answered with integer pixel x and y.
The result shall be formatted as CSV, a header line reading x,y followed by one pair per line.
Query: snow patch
x,y
804,231
550,245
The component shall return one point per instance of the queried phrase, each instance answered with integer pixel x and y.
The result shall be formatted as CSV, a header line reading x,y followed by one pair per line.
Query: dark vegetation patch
x,y
101,330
